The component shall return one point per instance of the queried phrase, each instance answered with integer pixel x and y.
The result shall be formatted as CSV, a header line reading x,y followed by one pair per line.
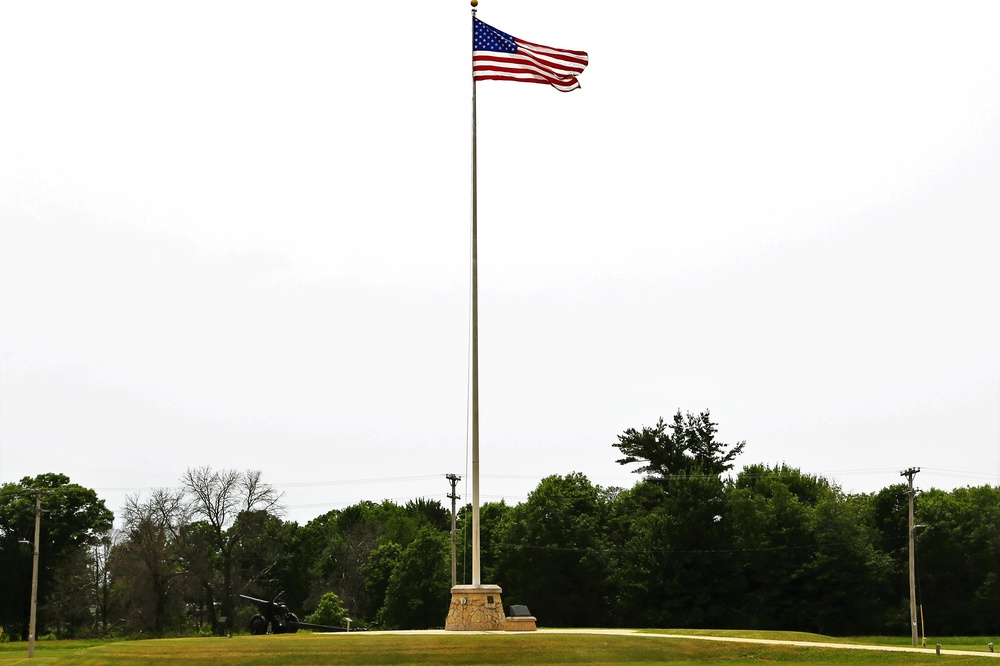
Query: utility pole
x,y
34,577
453,496
909,474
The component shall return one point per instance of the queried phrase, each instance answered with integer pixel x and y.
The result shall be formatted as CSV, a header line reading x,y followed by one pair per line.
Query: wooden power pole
x,y
909,474
453,496
33,613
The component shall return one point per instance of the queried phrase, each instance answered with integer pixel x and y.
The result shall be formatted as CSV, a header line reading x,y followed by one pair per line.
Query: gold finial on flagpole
x,y
474,3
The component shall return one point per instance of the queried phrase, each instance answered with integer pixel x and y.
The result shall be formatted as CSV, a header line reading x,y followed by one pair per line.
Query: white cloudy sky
x,y
237,234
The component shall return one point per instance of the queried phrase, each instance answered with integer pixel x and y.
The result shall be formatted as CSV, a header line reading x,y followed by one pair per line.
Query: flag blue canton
x,y
488,38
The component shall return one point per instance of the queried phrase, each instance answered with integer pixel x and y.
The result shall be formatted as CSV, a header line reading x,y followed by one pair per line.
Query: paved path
x,y
723,639
768,641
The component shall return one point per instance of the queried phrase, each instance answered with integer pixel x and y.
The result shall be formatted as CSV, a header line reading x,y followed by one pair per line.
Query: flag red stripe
x,y
527,76
519,60
509,66
562,86
497,73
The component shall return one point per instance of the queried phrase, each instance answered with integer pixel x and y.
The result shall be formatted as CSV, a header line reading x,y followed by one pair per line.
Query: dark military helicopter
x,y
275,618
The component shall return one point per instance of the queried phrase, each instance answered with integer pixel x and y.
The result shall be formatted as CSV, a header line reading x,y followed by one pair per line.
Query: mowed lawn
x,y
454,648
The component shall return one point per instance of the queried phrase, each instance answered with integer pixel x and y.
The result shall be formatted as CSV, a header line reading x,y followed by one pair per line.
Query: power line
x,y
306,484
374,481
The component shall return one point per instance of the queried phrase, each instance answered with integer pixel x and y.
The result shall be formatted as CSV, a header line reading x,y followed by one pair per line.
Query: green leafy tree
x,y
338,548
808,554
552,554
308,543
417,596
73,518
888,513
849,576
377,571
671,529
688,448
423,511
70,604
491,516
197,558
330,611
341,544
770,510
636,529
957,556
262,555
673,565
310,556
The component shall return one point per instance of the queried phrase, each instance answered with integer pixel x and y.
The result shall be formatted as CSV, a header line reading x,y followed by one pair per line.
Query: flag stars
x,y
488,38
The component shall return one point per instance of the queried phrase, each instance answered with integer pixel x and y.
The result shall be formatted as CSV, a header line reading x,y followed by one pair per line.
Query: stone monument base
x,y
475,608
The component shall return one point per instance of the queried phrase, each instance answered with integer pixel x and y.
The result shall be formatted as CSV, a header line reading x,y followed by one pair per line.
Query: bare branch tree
x,y
220,497
151,528
261,496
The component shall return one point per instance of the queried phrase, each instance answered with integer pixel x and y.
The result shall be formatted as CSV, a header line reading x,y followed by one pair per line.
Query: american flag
x,y
502,57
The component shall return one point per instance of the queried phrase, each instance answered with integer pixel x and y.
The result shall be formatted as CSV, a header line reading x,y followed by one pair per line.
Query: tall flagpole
x,y
475,607
476,580
478,607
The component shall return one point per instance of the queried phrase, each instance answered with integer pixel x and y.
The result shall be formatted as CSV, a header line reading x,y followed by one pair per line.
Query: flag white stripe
x,y
560,66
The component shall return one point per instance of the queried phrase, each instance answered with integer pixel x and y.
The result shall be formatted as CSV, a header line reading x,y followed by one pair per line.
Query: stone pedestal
x,y
522,623
475,608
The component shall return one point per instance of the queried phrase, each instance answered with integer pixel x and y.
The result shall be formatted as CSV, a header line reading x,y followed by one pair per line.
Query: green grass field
x,y
457,648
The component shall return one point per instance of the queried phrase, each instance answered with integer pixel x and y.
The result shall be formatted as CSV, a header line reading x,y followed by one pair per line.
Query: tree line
x,y
689,545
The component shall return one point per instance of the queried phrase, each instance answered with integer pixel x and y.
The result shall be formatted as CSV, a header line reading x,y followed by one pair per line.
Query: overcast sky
x,y
236,234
